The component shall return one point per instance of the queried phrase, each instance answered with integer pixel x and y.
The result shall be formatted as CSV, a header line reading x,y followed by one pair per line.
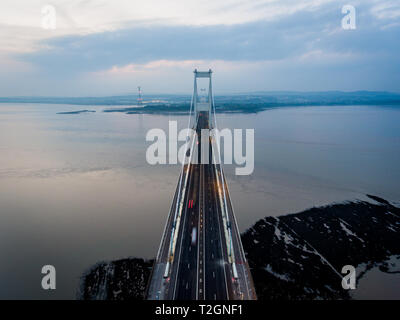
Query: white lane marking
x,y
198,249
180,249
204,237
222,255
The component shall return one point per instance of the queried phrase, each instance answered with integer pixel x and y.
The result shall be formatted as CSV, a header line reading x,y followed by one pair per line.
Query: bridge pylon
x,y
202,103
201,255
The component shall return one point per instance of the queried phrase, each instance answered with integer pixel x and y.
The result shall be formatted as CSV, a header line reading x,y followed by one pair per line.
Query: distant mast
x,y
139,100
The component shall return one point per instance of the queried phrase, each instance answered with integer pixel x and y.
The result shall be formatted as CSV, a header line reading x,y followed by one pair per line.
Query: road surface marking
x,y
180,249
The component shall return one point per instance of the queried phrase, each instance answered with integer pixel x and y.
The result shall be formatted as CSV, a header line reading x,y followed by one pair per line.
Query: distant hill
x,y
254,100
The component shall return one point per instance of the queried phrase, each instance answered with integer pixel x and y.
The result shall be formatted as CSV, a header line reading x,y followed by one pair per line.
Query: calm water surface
x,y
76,189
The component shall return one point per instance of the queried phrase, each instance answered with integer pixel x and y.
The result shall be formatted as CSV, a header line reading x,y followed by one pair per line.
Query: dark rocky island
x,y
292,257
124,279
300,256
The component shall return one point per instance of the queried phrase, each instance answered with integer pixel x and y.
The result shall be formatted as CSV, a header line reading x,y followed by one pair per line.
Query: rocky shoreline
x,y
292,257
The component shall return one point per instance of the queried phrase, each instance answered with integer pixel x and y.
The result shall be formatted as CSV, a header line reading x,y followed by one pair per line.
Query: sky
x,y
96,48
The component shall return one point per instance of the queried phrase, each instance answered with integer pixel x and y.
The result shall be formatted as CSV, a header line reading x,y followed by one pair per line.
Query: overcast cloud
x,y
110,47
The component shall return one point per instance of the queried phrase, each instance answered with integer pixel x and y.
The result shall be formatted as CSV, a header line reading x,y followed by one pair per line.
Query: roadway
x,y
200,268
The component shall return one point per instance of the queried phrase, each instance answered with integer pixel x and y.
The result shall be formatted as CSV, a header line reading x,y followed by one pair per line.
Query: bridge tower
x,y
202,104
201,256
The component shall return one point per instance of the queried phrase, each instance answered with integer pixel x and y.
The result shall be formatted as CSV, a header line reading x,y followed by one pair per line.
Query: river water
x,y
76,189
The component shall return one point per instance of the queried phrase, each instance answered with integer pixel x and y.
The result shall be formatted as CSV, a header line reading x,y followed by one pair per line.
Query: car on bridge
x,y
194,235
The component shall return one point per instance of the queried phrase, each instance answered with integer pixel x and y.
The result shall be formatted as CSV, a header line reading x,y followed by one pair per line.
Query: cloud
x,y
22,19
153,65
139,45
277,45
386,10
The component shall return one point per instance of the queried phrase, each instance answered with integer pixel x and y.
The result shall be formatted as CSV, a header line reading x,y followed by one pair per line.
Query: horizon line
x,y
215,95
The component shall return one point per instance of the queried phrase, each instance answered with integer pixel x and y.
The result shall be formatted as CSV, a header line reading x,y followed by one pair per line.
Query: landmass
x,y
183,108
75,112
292,257
244,103
300,256
124,279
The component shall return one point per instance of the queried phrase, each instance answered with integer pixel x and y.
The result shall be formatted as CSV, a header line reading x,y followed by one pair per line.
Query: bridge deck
x,y
200,267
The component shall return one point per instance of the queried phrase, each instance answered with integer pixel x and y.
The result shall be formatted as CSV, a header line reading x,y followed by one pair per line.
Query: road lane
x,y
201,268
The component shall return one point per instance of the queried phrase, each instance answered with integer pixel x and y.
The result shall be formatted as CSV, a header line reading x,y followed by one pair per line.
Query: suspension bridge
x,y
201,255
